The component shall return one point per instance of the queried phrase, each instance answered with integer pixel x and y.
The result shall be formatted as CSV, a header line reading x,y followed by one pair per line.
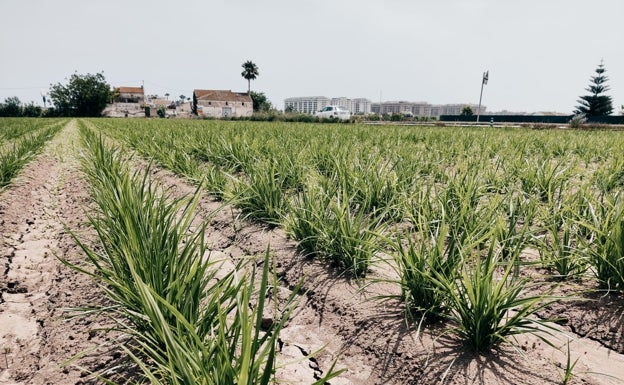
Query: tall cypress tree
x,y
596,104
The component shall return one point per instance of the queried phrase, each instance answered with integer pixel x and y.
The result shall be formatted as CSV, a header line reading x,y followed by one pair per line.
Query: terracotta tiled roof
x,y
129,90
222,96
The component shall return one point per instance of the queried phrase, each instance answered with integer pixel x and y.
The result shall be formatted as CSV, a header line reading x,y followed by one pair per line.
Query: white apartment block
x,y
342,102
361,106
311,104
423,109
306,104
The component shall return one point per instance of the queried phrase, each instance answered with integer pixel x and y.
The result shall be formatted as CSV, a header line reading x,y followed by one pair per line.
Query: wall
x,y
120,110
215,108
557,119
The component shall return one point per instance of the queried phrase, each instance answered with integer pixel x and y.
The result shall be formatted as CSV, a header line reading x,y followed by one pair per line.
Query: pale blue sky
x,y
540,53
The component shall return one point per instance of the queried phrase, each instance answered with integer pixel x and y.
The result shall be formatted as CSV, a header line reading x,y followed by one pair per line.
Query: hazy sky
x,y
540,53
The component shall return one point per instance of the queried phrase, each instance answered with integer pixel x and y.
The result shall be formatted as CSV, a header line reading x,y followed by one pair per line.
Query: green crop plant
x,y
215,181
347,238
235,154
375,188
261,195
305,220
513,225
562,257
422,206
11,162
418,259
611,176
546,178
14,128
22,151
605,246
464,208
487,304
558,249
292,169
146,242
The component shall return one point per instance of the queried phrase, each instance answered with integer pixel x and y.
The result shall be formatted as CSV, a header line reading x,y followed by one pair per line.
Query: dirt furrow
x,y
35,335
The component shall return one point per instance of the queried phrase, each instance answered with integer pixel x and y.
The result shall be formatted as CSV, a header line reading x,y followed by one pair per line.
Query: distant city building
x,y
456,109
311,104
423,109
306,104
342,102
355,106
361,106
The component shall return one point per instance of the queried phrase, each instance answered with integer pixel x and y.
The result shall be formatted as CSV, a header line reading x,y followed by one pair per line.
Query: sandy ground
x,y
369,338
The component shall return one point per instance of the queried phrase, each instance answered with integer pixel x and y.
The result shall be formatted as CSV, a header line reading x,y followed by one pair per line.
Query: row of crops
x,y
182,319
20,141
455,212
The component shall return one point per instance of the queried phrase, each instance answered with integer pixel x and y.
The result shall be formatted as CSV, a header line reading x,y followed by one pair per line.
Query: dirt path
x,y
35,287
370,339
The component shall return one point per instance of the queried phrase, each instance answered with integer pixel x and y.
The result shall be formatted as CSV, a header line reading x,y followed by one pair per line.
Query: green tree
x,y
31,110
260,101
11,107
161,112
596,103
250,72
194,105
467,111
84,95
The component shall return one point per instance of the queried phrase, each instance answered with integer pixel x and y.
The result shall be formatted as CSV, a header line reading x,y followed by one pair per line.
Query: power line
x,y
23,88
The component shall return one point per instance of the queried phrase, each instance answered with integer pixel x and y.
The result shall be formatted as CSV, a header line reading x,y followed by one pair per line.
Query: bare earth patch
x,y
371,339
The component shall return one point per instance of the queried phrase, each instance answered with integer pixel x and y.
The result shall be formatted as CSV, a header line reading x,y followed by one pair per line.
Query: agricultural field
x,y
223,252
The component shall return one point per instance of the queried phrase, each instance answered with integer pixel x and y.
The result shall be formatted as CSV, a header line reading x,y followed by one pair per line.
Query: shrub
x,y
577,121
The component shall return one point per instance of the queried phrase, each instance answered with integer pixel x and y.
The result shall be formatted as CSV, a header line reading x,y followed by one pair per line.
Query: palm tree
x,y
250,72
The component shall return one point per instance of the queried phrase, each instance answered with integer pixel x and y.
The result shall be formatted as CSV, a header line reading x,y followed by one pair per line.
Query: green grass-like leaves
x,y
188,322
487,302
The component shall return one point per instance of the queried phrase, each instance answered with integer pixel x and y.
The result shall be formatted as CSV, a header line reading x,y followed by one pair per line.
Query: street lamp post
x,y
486,76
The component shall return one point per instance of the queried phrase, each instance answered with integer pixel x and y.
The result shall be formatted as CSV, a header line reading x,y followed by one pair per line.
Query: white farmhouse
x,y
127,101
222,103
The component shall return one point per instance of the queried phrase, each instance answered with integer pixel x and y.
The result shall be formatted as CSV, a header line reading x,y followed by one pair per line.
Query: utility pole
x,y
486,76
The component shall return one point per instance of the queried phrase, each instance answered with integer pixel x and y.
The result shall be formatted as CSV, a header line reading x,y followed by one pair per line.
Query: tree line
x,y
13,107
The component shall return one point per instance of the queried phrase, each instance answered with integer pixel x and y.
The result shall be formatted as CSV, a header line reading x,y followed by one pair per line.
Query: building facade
x,y
222,103
361,106
312,104
127,102
423,109
306,104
